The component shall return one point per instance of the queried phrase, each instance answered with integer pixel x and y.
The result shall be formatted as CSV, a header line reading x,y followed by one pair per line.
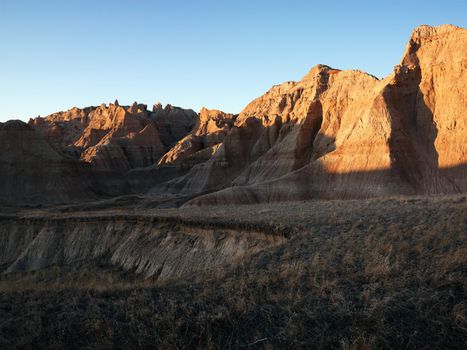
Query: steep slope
x,y
433,73
32,171
204,140
147,246
333,134
96,152
346,134
117,137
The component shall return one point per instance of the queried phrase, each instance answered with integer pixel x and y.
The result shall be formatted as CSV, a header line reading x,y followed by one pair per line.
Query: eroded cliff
x,y
346,134
117,137
333,134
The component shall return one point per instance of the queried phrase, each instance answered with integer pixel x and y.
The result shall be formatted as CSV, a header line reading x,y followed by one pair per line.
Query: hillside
x,y
333,135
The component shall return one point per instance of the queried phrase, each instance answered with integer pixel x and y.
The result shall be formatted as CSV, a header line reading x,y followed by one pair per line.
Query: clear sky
x,y
220,54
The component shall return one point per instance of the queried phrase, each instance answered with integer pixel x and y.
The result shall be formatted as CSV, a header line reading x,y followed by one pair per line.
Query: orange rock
x,y
116,137
346,134
333,134
203,141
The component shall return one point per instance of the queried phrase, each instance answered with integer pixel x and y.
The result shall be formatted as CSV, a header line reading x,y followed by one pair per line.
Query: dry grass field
x,y
375,274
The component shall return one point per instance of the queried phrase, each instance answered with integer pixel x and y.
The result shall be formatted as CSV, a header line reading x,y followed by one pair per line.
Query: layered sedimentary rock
x,y
333,134
32,171
86,154
436,60
206,137
294,125
117,137
346,134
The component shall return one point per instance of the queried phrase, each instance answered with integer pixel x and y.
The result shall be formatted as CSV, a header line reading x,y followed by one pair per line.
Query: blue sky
x,y
220,54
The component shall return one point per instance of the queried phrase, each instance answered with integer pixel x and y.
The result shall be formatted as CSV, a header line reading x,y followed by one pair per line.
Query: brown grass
x,y
387,274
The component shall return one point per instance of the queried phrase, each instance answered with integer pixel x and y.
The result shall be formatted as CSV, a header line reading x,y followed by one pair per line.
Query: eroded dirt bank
x,y
147,246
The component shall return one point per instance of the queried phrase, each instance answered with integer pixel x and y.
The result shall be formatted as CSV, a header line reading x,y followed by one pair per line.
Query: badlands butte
x,y
333,135
329,214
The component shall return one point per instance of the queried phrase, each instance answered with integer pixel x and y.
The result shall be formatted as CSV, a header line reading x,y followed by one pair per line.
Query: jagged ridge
x,y
334,134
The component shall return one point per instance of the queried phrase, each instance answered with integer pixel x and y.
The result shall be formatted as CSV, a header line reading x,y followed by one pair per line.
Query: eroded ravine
x,y
147,246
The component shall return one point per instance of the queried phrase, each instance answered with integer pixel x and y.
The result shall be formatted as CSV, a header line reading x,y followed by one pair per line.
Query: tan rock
x,y
333,134
116,137
346,134
201,143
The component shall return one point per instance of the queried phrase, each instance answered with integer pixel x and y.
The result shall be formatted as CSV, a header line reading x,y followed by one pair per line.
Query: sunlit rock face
x,y
333,134
117,137
346,134
198,146
438,55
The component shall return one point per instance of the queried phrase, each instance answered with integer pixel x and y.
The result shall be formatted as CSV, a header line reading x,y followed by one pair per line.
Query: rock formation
x,y
334,134
33,172
346,134
206,137
117,137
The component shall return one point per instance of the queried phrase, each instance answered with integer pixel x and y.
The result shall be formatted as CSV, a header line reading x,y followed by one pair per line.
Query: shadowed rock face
x,y
334,134
32,171
141,245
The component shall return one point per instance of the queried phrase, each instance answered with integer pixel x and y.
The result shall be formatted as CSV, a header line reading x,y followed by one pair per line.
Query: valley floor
x,y
385,273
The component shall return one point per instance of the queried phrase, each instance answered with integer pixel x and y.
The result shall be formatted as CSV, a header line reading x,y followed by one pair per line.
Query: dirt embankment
x,y
148,246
